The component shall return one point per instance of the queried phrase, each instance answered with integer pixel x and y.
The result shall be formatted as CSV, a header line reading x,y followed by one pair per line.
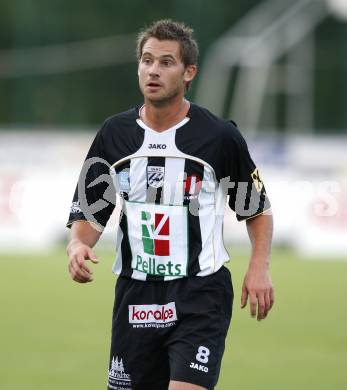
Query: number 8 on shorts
x,y
202,355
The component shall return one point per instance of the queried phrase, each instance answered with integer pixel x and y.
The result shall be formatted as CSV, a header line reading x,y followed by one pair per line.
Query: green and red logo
x,y
155,233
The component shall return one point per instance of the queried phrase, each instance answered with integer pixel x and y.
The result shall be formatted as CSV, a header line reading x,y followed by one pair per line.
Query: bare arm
x,y
83,237
257,282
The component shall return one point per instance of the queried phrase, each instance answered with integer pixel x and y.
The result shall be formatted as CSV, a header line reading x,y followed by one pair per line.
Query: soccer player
x,y
173,164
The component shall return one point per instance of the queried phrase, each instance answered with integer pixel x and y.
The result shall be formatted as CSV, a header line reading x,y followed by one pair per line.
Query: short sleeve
x,y
246,190
94,197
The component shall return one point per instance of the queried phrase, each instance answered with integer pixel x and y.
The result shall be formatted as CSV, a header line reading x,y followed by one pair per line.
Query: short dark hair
x,y
169,30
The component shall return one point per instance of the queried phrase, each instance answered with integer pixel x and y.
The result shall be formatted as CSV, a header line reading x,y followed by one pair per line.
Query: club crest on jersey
x,y
155,176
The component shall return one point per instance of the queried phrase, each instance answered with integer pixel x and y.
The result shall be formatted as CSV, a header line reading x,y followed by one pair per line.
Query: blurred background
x,y
276,67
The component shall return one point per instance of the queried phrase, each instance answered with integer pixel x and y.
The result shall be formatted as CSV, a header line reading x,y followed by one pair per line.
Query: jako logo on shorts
x,y
155,237
146,314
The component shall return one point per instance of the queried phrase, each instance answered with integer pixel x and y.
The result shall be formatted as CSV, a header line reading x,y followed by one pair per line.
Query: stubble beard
x,y
164,100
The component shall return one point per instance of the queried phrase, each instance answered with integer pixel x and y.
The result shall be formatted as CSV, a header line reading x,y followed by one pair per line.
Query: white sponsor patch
x,y
149,314
158,237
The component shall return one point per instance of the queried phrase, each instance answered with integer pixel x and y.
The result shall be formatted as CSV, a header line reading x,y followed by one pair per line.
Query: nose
x,y
154,69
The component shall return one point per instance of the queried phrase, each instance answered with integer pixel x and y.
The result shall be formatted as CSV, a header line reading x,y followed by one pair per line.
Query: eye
x,y
146,61
167,62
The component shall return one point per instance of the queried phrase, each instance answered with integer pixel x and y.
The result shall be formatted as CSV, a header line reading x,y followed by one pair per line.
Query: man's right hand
x,y
78,253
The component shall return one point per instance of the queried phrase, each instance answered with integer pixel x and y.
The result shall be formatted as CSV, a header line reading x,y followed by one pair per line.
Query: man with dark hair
x,y
166,30
173,164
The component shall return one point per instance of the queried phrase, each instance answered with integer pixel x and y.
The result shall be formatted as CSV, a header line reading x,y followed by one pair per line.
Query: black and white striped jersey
x,y
173,186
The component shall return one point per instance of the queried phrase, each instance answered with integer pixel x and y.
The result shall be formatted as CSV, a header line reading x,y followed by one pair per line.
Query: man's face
x,y
162,75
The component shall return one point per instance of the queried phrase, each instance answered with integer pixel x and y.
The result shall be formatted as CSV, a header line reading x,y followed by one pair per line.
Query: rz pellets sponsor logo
x,y
155,259
152,266
156,237
143,316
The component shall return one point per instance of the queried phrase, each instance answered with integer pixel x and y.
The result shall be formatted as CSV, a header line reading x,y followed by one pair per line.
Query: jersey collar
x,y
172,128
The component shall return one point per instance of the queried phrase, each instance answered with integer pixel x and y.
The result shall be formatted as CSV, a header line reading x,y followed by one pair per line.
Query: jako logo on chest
x,y
156,146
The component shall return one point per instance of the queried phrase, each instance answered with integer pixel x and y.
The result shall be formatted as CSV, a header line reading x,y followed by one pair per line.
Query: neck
x,y
162,116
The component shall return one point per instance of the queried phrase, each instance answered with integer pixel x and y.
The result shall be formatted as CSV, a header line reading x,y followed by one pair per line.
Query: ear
x,y
189,73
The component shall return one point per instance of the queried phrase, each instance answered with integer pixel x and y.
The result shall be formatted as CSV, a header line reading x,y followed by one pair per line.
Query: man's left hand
x,y
258,286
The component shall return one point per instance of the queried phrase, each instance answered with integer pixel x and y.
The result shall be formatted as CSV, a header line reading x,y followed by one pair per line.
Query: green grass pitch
x,y
55,333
